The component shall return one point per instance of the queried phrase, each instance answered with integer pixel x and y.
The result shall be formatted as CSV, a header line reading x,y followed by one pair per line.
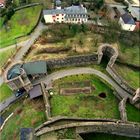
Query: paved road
x,y
19,55
22,43
7,102
83,70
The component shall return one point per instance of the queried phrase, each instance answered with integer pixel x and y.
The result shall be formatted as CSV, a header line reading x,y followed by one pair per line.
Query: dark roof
x,y
35,91
1,120
14,71
68,10
127,18
53,11
26,133
37,67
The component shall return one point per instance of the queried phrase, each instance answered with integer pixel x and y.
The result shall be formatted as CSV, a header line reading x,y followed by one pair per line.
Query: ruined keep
x,y
107,50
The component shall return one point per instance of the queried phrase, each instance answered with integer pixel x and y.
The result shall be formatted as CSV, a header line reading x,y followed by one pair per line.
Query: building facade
x,y
72,14
127,22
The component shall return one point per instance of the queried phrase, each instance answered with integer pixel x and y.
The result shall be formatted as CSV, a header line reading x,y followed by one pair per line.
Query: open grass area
x,y
129,54
5,92
130,75
133,114
103,136
5,55
86,106
20,24
26,114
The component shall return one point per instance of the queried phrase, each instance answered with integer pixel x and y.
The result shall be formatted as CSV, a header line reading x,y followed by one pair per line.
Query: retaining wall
x,y
79,60
111,128
122,109
119,80
124,129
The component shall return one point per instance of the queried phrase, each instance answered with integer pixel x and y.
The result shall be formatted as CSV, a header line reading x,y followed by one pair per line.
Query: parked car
x,y
19,92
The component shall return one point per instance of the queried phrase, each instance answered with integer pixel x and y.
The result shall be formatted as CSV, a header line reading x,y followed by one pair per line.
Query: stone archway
x,y
108,50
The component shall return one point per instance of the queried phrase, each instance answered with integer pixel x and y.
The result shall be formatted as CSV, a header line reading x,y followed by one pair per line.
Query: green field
x,y
20,24
129,54
5,55
129,75
133,113
5,92
86,106
27,114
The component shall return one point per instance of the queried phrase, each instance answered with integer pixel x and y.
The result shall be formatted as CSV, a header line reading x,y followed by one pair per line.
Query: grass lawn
x,y
86,106
21,23
5,92
102,136
129,54
27,114
133,113
5,55
130,75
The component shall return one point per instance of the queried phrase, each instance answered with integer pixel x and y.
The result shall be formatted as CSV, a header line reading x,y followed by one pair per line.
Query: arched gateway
x,y
108,50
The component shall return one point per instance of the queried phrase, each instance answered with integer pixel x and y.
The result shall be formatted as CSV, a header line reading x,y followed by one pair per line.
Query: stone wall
x,y
119,80
46,101
122,129
122,109
80,60
82,126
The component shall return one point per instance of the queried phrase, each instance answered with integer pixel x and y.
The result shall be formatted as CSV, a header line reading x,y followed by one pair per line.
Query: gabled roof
x,y
37,67
2,1
53,11
68,10
35,91
75,10
135,12
127,18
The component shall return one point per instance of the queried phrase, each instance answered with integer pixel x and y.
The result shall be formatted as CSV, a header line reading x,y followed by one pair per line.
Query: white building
x,y
2,3
72,14
127,22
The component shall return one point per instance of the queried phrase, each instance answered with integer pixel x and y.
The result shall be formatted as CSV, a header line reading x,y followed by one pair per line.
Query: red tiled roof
x,y
2,1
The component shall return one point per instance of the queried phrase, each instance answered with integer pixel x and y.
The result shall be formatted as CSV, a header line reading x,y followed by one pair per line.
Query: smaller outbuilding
x,y
2,3
127,22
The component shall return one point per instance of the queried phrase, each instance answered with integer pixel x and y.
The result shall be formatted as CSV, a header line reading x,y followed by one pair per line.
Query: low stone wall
x,y
122,129
119,80
122,109
46,101
79,60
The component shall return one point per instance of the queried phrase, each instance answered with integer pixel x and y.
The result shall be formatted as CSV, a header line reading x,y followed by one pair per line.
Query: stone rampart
x,y
80,60
119,80
122,109
118,128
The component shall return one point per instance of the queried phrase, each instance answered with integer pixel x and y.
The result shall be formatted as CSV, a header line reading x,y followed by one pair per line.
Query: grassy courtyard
x,y
5,92
133,113
26,114
130,75
86,106
20,24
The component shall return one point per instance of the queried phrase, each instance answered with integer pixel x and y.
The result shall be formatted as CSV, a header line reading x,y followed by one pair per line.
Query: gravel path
x,y
83,70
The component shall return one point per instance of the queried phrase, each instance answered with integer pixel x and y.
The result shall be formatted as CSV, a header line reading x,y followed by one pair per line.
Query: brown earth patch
x,y
72,91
